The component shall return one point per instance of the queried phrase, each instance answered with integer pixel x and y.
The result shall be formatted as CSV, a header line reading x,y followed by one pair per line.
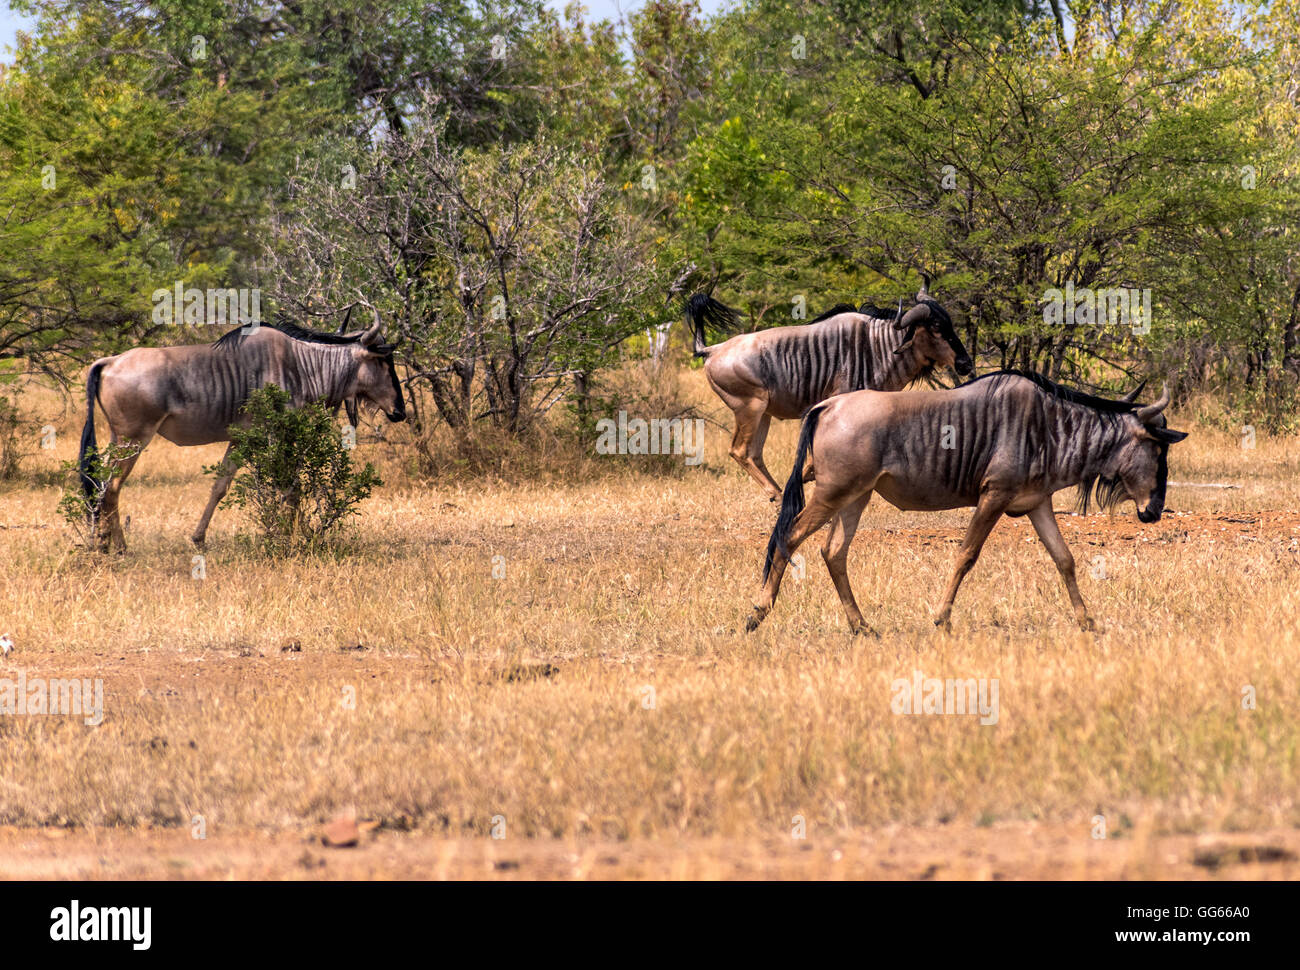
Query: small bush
x,y
297,479
79,509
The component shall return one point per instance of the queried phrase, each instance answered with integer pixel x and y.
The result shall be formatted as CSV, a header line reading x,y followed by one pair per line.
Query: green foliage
x,y
297,480
12,428
978,145
79,507
829,149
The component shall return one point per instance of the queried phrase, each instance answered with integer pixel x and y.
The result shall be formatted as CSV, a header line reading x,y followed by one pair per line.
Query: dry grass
x,y
624,581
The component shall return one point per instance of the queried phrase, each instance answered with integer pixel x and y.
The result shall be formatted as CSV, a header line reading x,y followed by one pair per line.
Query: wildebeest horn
x,y
343,327
913,316
1132,395
924,292
371,336
1148,413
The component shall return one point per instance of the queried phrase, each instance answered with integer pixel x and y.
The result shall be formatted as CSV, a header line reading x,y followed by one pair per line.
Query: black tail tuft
x,y
89,485
792,499
703,310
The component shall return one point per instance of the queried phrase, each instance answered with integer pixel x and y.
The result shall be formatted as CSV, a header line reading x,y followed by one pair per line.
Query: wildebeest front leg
x,y
835,552
815,515
990,508
219,489
1044,520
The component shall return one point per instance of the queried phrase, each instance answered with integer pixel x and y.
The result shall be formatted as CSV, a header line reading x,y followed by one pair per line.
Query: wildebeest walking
x,y
782,372
192,394
1004,443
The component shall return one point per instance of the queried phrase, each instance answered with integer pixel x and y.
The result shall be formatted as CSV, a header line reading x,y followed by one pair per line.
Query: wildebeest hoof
x,y
752,622
862,630
198,541
1088,625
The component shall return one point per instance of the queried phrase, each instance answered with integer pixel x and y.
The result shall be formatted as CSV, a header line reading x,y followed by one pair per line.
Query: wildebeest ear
x,y
1167,435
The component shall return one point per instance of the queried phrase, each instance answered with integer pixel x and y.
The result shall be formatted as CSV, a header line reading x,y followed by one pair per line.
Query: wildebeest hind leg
x,y
219,489
815,515
752,422
990,508
835,552
1044,520
110,526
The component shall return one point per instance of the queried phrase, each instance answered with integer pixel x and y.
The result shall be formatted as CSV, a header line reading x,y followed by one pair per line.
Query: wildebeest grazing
x,y
192,394
1004,443
782,372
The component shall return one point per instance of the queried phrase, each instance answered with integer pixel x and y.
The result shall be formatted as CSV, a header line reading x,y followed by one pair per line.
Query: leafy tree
x,y
511,271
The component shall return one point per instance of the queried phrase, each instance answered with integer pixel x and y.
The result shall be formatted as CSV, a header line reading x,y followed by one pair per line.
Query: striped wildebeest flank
x,y
1004,443
191,395
782,372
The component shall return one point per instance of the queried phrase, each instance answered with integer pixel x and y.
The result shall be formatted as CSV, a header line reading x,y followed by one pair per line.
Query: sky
x,y
11,23
609,9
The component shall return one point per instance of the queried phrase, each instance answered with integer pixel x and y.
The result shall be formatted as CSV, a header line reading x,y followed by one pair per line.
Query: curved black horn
x,y
1132,395
918,314
371,336
924,292
343,327
1151,411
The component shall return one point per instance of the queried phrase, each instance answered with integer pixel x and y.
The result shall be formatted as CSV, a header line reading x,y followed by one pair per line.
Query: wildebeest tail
x,y
703,311
792,498
89,448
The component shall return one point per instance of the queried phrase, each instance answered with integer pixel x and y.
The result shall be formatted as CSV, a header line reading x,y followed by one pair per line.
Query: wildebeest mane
x,y
835,311
879,313
1060,391
232,339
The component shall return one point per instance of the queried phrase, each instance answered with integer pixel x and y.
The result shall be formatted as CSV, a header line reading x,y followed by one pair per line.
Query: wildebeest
x,y
1004,443
192,394
782,372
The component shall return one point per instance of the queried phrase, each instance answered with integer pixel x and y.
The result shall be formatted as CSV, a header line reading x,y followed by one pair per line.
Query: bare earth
x,y
959,851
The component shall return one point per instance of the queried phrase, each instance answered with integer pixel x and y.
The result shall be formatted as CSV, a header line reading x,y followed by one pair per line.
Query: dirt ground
x,y
957,852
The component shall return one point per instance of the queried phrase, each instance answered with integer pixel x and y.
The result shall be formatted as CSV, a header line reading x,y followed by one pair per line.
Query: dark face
x,y
940,347
1144,468
961,361
377,383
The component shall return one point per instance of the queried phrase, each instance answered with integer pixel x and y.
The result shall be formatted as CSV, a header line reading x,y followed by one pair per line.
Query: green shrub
x,y
296,476
79,508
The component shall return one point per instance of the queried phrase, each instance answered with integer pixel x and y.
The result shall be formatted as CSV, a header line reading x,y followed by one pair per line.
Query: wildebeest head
x,y
1140,466
929,329
376,379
